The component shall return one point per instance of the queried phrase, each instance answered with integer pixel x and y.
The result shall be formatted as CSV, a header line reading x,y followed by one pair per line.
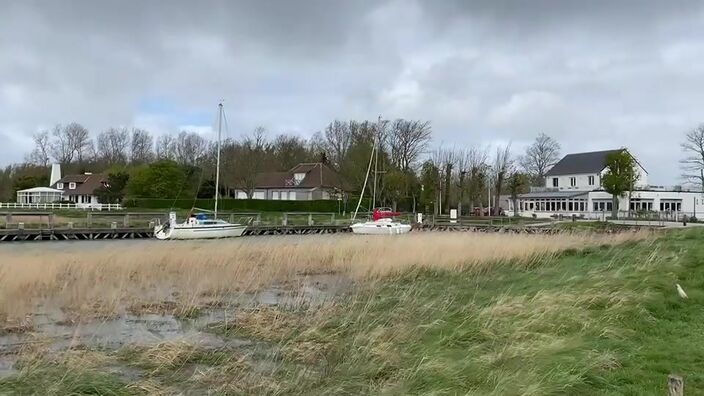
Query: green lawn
x,y
602,321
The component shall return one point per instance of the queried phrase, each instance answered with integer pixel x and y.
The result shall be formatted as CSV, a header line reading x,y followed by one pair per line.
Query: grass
x,y
476,314
152,275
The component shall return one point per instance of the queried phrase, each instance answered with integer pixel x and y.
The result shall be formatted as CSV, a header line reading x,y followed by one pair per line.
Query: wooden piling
x,y
675,385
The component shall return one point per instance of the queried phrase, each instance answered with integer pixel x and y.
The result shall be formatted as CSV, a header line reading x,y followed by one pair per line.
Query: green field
x,y
599,321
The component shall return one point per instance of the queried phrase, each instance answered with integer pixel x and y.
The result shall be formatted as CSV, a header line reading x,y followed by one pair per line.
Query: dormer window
x,y
72,186
60,186
298,178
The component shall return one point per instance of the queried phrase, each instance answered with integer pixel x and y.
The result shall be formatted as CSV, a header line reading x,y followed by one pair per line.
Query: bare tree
x,y
165,147
407,140
142,146
693,164
503,166
60,146
40,154
190,148
444,159
79,140
244,161
337,141
540,157
112,145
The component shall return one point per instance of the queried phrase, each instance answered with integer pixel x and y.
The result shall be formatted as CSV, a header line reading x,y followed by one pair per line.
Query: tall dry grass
x,y
102,279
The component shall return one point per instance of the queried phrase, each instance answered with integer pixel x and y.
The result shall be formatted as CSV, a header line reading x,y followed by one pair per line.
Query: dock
x,y
85,234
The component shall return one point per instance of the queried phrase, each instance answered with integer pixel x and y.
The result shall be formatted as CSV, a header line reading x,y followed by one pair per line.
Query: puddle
x,y
51,328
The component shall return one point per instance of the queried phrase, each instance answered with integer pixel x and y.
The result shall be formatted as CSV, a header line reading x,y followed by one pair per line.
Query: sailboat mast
x,y
217,167
376,160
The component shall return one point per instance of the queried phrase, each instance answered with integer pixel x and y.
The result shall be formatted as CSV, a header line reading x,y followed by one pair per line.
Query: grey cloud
x,y
593,74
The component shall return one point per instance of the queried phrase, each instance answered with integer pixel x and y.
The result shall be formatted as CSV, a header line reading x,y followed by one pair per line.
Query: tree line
x,y
411,175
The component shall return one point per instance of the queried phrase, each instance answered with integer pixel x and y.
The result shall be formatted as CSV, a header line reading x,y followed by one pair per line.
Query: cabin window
x,y
573,181
72,186
555,182
591,180
60,186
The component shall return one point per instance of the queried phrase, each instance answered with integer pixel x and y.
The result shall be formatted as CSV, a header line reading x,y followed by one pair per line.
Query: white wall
x,y
582,180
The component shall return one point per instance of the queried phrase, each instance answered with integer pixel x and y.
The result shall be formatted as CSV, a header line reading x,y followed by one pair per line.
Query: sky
x,y
592,74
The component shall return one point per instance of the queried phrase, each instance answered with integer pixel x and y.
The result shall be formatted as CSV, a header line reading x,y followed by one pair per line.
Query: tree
x,y
430,181
69,143
619,178
40,154
243,161
474,162
540,157
161,179
503,166
165,148
693,164
190,148
114,190
289,151
141,150
337,142
407,140
112,145
517,184
60,146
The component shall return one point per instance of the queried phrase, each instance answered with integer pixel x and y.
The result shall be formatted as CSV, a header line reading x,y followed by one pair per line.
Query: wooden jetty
x,y
82,234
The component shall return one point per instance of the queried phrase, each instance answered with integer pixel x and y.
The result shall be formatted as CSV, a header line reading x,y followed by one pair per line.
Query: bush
x,y
242,205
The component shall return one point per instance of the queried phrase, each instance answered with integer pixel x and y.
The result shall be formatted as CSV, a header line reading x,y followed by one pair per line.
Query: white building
x,y
39,195
573,187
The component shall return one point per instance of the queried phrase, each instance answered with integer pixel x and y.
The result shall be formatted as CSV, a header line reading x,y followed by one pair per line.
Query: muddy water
x,y
51,328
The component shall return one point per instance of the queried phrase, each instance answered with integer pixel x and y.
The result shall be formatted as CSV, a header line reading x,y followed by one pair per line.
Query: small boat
x,y
381,222
199,226
380,227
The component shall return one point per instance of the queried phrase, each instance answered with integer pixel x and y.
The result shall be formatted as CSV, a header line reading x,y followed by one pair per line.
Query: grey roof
x,y
593,162
553,194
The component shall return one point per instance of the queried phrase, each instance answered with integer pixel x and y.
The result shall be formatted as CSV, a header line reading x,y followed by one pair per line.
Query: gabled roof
x,y
85,184
592,162
317,175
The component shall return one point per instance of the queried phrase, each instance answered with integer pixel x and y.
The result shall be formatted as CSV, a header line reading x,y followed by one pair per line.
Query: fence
x,y
52,206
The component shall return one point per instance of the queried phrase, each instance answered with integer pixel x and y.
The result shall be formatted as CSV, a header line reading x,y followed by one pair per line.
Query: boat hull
x,y
380,228
199,231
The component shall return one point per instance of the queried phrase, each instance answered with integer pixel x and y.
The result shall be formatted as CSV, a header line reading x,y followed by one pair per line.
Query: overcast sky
x,y
593,74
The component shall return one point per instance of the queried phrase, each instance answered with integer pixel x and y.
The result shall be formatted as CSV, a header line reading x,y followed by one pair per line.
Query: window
x,y
292,195
298,178
275,195
554,182
591,180
573,181
72,186
60,186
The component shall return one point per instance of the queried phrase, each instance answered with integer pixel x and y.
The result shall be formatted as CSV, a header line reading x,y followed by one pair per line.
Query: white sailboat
x,y
200,227
381,223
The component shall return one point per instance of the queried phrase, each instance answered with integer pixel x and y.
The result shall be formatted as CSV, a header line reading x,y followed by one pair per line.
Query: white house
x,y
573,187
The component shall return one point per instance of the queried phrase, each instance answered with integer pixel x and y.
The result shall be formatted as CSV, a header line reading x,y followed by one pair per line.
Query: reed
x,y
102,279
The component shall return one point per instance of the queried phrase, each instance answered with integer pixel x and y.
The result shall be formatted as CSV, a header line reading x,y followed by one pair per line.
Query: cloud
x,y
594,74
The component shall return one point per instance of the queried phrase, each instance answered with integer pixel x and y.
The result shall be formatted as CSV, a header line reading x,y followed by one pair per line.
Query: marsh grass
x,y
181,277
479,315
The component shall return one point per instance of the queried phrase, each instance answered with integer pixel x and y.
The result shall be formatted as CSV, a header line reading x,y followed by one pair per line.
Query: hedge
x,y
254,205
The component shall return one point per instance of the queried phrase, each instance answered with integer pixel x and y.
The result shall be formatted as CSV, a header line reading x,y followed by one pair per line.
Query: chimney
x,y
55,174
